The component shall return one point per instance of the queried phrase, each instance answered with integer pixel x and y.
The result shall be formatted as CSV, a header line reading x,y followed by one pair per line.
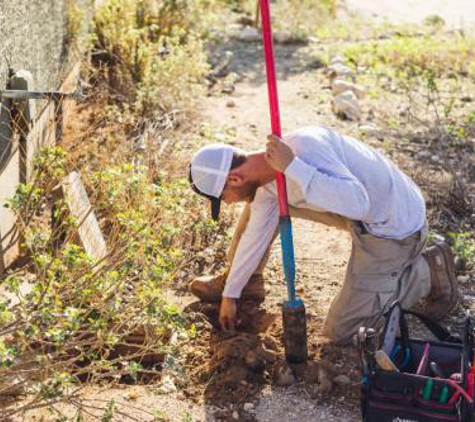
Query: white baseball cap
x,y
209,169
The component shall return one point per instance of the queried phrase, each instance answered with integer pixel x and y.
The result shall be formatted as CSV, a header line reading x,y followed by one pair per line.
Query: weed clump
x,y
406,57
152,52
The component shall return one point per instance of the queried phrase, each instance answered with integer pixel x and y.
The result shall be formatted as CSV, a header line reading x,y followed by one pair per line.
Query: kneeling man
x,y
338,181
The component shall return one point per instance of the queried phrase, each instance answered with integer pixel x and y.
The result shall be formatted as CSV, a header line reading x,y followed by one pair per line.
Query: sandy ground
x,y
456,13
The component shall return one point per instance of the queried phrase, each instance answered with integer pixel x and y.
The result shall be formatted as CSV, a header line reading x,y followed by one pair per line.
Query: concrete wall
x,y
33,37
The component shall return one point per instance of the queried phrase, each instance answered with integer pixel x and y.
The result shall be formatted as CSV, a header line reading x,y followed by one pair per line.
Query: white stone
x,y
339,70
248,407
341,380
168,386
346,105
337,59
286,377
249,34
340,85
235,415
282,37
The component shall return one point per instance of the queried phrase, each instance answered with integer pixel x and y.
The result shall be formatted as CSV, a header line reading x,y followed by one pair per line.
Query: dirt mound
x,y
232,368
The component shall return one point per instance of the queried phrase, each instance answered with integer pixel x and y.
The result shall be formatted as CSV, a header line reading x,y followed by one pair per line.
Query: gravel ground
x,y
288,405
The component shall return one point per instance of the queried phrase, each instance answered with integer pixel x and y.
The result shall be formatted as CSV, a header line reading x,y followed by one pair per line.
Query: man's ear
x,y
235,179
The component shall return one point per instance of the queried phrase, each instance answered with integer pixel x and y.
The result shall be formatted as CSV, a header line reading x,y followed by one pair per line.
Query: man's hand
x,y
227,314
278,154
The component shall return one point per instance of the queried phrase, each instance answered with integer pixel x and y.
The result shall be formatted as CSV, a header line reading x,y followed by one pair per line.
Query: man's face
x,y
242,192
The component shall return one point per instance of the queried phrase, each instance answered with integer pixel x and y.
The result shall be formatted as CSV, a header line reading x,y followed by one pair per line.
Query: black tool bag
x,y
402,395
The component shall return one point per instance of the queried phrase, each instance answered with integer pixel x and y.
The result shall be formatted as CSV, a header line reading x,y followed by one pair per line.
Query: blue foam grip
x,y
288,259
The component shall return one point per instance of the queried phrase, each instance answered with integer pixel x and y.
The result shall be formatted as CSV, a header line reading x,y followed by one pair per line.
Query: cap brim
x,y
215,202
215,207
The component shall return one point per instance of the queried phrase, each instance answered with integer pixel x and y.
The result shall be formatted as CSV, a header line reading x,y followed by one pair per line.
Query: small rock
x,y
463,278
282,38
230,104
249,34
271,344
235,374
248,407
313,39
341,380
339,70
269,355
311,373
337,60
253,361
326,371
285,377
346,105
221,69
168,386
324,386
132,395
466,99
340,85
228,88
235,415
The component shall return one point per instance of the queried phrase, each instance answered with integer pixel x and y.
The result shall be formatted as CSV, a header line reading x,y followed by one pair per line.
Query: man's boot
x,y
210,288
443,296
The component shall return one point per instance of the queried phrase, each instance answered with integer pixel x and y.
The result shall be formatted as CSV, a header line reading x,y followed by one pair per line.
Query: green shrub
x,y
464,246
68,326
409,56
172,81
152,50
302,17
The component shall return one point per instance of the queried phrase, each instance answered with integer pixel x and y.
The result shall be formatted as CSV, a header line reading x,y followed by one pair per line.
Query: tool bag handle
x,y
396,317
441,333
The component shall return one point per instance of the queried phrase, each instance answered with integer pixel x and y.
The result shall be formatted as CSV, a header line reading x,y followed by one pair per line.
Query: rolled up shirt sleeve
x,y
339,192
253,245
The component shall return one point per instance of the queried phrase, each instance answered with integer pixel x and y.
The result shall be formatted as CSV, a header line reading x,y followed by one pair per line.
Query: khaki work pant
x,y
379,271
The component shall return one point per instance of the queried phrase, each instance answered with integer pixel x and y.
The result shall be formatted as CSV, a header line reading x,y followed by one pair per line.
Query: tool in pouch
x,y
425,380
293,311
